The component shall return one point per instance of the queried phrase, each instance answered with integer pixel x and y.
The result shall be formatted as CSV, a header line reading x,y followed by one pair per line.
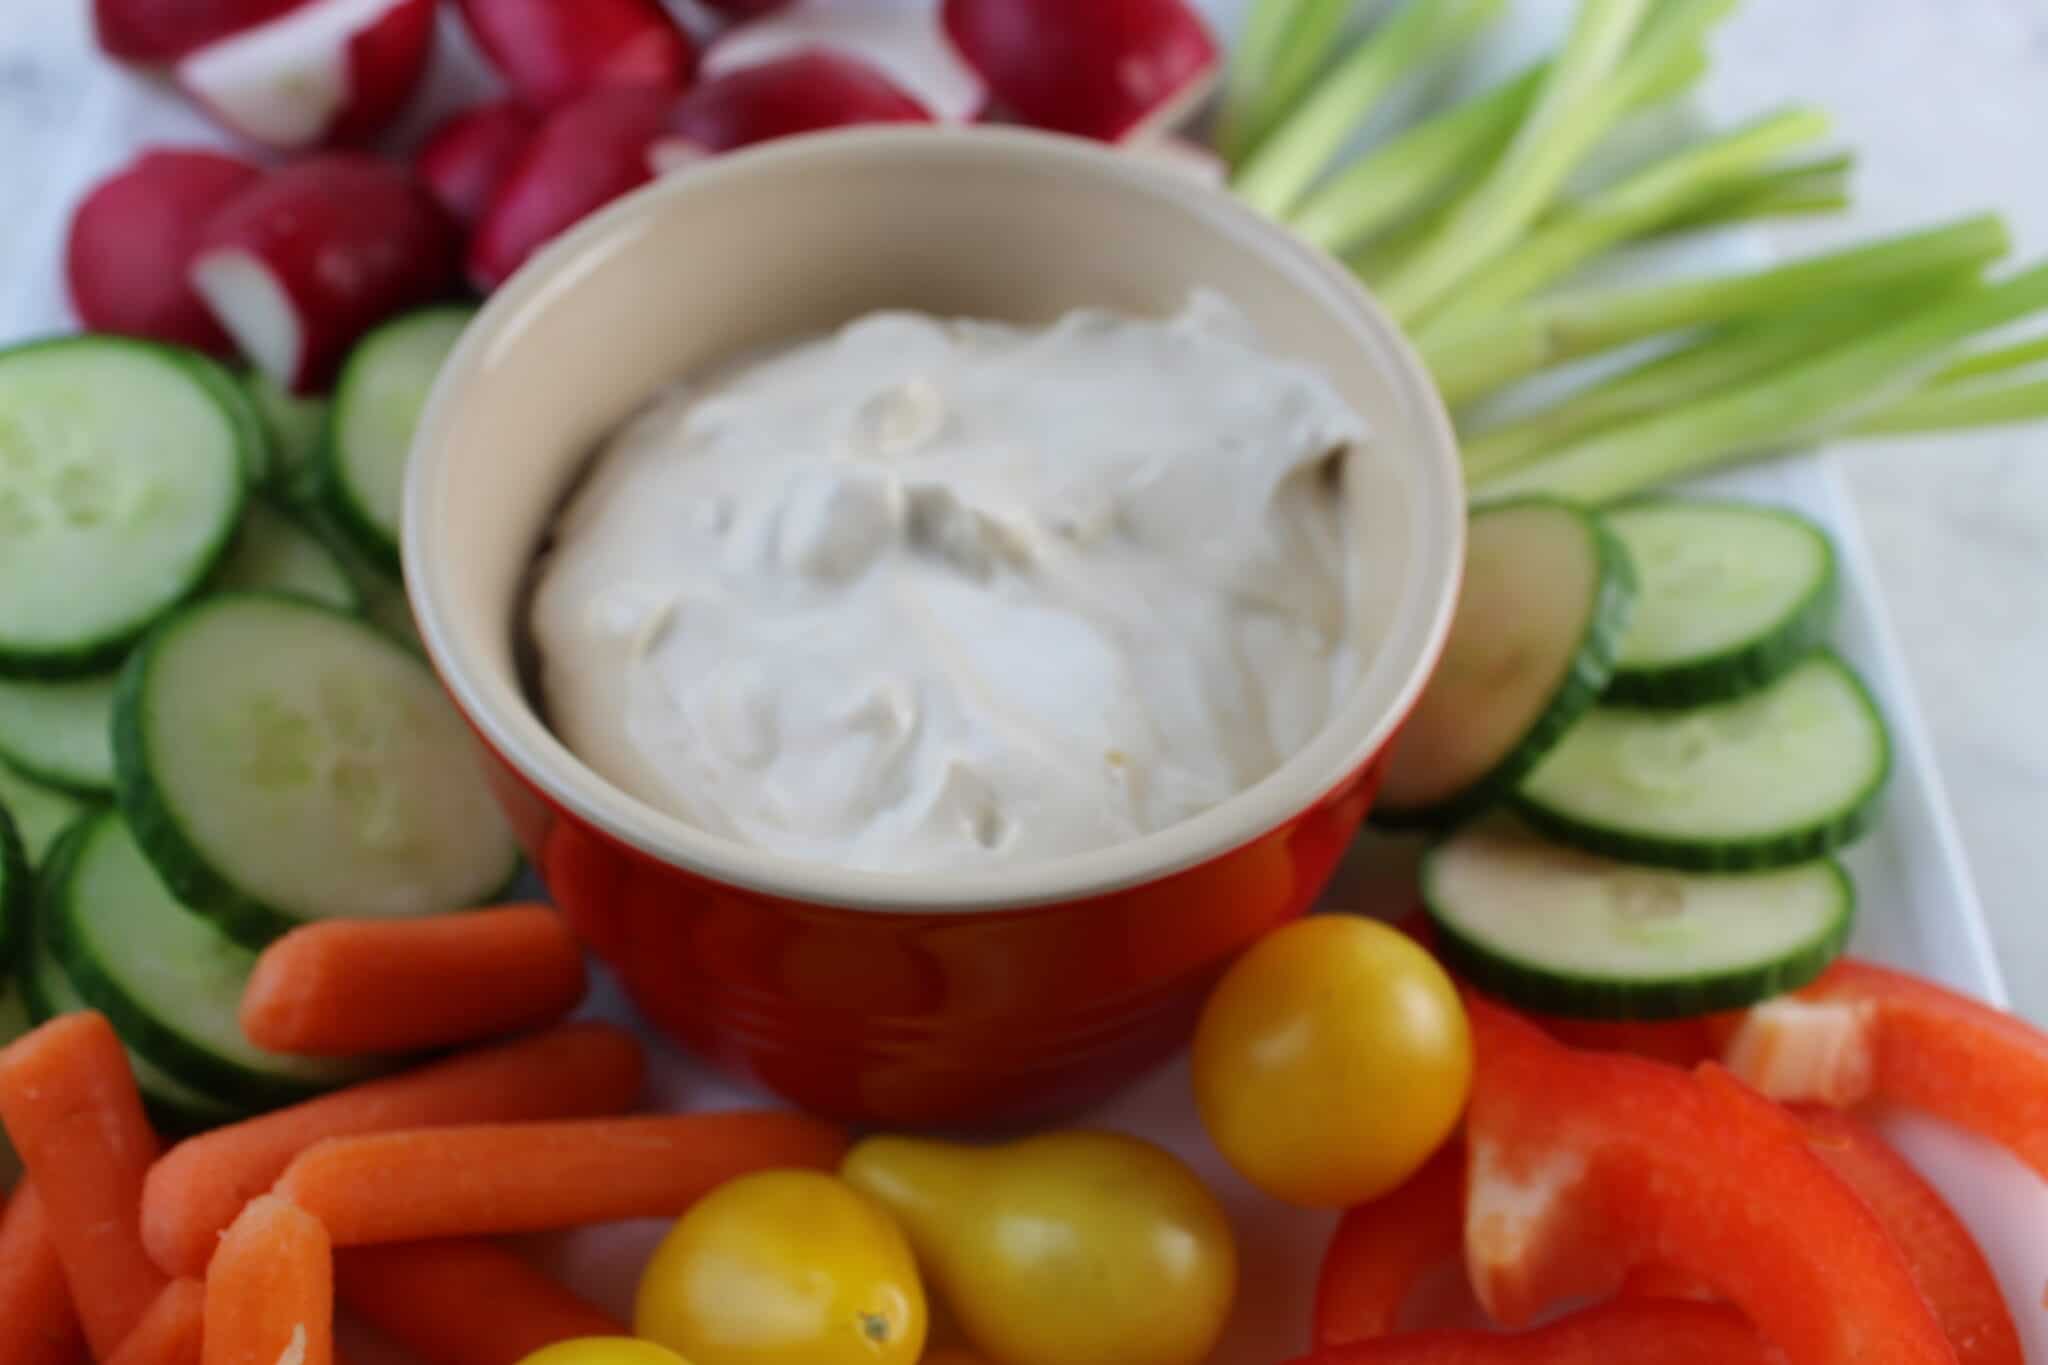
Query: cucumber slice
x,y
14,1021
377,403
283,762
295,428
1774,777
273,552
1563,931
1545,600
39,812
121,480
59,733
259,455
16,892
167,978
1729,596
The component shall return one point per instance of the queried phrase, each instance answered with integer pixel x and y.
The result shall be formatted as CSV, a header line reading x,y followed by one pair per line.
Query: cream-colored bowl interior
x,y
798,237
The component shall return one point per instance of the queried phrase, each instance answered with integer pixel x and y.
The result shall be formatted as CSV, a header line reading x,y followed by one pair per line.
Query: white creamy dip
x,y
944,594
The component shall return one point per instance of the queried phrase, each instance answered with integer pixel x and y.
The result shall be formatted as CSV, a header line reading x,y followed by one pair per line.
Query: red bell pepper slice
x,y
1946,1262
1864,1032
1584,1165
1680,1042
1381,1249
1620,1332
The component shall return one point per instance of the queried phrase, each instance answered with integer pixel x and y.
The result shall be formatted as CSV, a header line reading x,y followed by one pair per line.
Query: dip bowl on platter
x,y
910,998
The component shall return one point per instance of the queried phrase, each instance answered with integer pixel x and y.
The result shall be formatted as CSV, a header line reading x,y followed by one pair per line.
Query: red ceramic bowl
x,y
912,999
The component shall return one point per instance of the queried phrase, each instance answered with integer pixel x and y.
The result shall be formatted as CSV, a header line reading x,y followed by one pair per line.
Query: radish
x,y
803,93
1116,70
467,157
156,31
745,9
330,71
903,41
314,255
585,155
132,237
1192,159
551,51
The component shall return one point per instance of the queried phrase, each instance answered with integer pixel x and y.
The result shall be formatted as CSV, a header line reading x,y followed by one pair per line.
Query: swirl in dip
x,y
937,594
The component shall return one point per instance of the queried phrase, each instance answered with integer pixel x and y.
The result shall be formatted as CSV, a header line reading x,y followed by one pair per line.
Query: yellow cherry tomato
x,y
604,1351
784,1268
1331,1061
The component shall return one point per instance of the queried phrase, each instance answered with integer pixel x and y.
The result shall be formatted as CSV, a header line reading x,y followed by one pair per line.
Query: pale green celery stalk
x,y
1952,407
1531,336
1820,186
1996,360
1570,115
1734,354
1828,393
1294,155
1285,43
1636,205
1384,254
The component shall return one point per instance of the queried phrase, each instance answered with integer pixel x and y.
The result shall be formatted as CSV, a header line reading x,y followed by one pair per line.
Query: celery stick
x,y
1995,361
1827,393
1952,407
1636,205
1820,186
1503,347
1285,43
1295,154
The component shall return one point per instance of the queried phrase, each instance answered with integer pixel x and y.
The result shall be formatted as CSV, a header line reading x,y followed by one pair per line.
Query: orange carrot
x,y
70,1104
344,988
577,1071
270,1288
529,1177
171,1332
37,1324
462,1302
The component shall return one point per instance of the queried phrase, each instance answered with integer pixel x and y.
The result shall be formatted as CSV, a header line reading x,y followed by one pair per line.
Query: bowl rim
x,y
1326,763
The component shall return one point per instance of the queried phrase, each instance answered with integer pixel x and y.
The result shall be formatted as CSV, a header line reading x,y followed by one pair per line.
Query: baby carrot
x,y
580,1070
171,1332
530,1177
271,1289
344,988
70,1104
462,1302
37,1324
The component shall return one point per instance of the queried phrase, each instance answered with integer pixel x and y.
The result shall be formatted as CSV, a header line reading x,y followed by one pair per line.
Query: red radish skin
x,y
905,42
805,93
745,9
552,51
165,30
315,255
469,155
133,236
585,155
331,72
1114,70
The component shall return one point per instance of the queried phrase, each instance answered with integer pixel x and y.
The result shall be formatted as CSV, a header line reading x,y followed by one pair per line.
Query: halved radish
x,y
330,71
585,155
310,258
1108,69
551,51
466,158
905,42
153,31
132,237
804,93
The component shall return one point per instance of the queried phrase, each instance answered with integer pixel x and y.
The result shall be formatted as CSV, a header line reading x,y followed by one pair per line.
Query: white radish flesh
x,y
905,42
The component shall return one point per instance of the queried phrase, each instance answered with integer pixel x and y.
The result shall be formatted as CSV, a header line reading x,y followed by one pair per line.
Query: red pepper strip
x,y
1652,1281
1381,1249
1620,1332
1680,1042
1584,1165
1862,1032
1946,1262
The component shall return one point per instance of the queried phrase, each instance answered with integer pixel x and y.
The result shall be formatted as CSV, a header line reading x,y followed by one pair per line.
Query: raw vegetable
x,y
905,43
1383,1248
350,987
1143,1277
317,253
467,157
1331,1060
250,428
1570,933
801,93
15,1020
272,552
39,812
1639,1331
296,426
1774,777
609,1351
796,1264
195,1191
15,898
1729,597
552,51
58,733
377,404
489,1179
72,1109
115,511
37,1323
463,1302
132,237
172,1332
270,1290
1547,594
325,776
1284,46
152,31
